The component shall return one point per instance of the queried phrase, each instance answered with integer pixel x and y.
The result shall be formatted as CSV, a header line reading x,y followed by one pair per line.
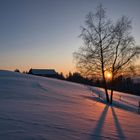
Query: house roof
x,y
43,71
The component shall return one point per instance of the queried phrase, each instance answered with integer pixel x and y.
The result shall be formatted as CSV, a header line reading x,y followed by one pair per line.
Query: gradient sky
x,y
44,33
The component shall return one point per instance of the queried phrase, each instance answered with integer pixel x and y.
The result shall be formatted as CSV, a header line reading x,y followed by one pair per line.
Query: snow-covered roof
x,y
43,71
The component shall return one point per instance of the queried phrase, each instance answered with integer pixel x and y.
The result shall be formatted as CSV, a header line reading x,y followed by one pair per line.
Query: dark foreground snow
x,y
35,108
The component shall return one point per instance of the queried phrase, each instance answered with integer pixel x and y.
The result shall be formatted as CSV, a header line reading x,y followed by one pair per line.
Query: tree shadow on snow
x,y
97,132
100,126
117,125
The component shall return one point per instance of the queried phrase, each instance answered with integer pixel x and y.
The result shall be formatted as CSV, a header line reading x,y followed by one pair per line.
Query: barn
x,y
44,72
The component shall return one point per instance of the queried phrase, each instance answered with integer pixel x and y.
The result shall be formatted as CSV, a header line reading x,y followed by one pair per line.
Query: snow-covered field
x,y
37,108
125,101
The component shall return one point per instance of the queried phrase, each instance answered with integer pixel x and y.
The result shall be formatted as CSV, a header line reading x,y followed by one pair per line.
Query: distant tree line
x,y
78,78
122,84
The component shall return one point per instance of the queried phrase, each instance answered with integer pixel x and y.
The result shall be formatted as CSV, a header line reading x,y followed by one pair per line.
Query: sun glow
x,y
108,75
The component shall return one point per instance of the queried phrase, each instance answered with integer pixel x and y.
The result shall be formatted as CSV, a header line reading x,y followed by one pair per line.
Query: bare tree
x,y
108,50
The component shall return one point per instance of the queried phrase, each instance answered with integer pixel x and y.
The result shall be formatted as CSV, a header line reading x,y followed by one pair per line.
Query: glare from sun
x,y
108,75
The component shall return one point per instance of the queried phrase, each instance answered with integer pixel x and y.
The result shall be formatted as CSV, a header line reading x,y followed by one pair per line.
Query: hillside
x,y
37,108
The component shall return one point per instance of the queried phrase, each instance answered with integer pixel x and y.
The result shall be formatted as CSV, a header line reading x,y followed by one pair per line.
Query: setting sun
x,y
108,75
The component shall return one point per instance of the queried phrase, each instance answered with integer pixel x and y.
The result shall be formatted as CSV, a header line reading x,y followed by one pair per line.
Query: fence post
x,y
139,108
120,97
99,95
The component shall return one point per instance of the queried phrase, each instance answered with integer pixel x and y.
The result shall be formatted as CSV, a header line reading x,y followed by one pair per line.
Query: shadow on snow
x,y
98,130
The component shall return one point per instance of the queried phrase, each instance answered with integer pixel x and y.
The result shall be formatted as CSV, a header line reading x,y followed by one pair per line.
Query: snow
x,y
122,100
37,108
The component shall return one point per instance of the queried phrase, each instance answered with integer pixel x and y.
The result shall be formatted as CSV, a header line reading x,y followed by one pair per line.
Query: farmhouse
x,y
44,72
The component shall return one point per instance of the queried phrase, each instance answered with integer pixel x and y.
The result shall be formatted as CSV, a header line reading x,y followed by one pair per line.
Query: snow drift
x,y
40,108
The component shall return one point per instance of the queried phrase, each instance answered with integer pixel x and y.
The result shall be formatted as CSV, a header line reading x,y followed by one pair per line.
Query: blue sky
x,y
44,33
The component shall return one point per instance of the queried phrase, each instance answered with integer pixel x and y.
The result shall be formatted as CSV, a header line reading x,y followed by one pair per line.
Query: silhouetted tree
x,y
30,71
25,72
108,48
61,76
78,78
17,70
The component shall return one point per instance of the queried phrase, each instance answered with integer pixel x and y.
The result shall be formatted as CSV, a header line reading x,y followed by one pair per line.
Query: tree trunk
x,y
107,97
106,91
111,96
